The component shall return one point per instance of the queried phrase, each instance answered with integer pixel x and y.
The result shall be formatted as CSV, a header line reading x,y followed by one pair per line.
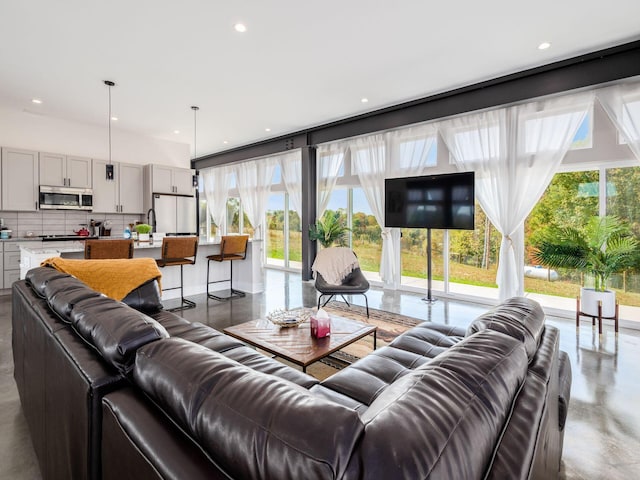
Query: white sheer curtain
x,y
515,152
330,159
408,150
368,162
216,185
254,184
622,104
374,158
291,168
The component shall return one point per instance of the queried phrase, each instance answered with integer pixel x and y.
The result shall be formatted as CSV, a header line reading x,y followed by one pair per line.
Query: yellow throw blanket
x,y
115,278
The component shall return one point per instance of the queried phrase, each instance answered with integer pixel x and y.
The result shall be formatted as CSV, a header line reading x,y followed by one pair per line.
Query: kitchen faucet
x,y
153,225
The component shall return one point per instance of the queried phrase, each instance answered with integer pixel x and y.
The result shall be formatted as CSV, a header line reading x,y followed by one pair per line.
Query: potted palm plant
x,y
604,246
329,230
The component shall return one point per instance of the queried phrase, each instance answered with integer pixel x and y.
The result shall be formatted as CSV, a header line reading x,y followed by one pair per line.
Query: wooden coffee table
x,y
296,344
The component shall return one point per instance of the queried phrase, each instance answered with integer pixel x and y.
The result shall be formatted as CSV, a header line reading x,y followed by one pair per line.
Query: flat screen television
x,y
432,201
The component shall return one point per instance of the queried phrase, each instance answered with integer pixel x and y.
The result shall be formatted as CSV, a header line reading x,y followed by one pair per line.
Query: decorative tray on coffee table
x,y
289,318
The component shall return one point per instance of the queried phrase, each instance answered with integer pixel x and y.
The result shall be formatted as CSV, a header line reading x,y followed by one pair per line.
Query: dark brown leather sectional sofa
x,y
115,392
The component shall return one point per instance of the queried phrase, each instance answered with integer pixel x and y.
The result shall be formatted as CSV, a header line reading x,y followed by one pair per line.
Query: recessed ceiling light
x,y
176,132
240,27
115,119
225,142
364,100
36,100
544,46
267,129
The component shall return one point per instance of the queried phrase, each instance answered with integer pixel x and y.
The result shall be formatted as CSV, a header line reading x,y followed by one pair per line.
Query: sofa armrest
x,y
564,394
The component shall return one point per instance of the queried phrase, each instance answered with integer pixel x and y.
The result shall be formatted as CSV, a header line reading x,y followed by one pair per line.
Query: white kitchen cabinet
x,y
123,194
171,180
131,188
19,179
183,181
65,170
11,263
11,276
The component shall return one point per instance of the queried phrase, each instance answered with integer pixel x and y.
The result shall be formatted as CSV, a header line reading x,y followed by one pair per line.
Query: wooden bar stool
x,y
103,249
179,251
232,247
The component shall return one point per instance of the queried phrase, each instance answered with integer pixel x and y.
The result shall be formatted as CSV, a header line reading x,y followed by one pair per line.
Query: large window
x,y
234,219
284,232
473,257
623,200
365,233
413,258
276,228
570,200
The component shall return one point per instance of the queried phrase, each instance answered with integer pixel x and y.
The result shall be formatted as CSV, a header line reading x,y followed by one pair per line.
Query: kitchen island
x,y
248,274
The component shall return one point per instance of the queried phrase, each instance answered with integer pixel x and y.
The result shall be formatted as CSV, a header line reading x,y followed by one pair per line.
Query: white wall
x,y
30,131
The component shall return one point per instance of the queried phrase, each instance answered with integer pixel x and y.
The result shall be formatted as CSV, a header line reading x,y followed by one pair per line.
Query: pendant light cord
x,y
109,84
195,130
109,124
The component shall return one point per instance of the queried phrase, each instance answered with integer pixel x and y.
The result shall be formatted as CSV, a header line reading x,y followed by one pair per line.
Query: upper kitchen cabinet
x,y
172,180
123,194
65,171
131,188
19,179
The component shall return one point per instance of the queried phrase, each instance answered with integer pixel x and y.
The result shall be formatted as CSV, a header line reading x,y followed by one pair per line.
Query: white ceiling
x,y
300,63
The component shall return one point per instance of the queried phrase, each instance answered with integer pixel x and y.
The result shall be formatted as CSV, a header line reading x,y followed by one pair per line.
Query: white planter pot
x,y
143,237
589,299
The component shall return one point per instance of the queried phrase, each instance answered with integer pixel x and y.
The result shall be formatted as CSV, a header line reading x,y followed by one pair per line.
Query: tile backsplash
x,y
61,222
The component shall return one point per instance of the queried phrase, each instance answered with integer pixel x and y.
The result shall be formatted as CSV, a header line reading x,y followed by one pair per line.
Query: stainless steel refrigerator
x,y
175,214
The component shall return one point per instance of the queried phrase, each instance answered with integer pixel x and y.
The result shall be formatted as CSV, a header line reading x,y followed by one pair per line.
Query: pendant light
x,y
195,109
109,167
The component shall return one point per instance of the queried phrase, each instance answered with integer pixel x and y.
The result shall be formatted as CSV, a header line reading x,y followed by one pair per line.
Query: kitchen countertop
x,y
71,246
20,239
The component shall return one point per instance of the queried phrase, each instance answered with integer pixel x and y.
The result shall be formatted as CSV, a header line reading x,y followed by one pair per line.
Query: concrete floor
x,y
602,438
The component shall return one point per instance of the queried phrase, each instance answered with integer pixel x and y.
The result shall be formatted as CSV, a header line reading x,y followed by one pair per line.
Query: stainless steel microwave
x,y
65,198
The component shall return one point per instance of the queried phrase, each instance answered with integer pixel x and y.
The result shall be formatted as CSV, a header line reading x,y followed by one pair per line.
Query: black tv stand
x,y
429,298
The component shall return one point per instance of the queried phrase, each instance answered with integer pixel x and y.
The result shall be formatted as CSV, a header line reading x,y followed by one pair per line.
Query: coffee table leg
x,y
375,339
304,369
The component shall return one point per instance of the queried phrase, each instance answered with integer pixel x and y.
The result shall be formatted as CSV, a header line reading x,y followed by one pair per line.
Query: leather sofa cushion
x,y
64,293
248,357
443,419
146,298
230,347
367,378
38,278
251,424
114,329
518,317
335,396
429,339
